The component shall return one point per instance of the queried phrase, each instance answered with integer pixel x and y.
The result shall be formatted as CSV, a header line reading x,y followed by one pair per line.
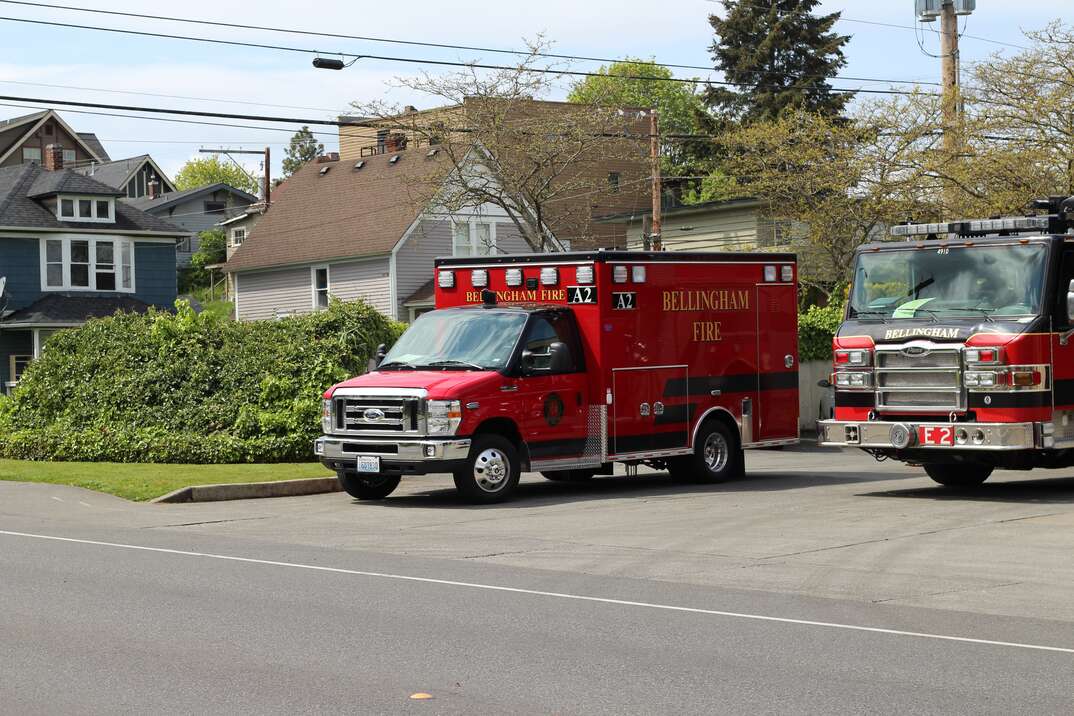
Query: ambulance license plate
x,y
936,435
368,463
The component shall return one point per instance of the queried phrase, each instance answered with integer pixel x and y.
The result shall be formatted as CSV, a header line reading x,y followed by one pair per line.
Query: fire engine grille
x,y
931,380
377,415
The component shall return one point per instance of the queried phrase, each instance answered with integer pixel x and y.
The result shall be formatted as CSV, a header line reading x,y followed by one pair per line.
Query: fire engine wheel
x,y
491,472
569,475
966,475
371,487
717,456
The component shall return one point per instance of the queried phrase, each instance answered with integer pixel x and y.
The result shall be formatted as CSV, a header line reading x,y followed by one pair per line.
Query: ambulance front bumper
x,y
407,457
890,435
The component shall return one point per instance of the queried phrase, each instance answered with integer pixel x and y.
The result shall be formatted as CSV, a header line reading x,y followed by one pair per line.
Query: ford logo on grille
x,y
915,351
373,415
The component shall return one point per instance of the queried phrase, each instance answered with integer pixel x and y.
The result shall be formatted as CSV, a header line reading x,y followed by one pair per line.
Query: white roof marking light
x,y
637,274
446,279
584,274
769,273
479,278
549,276
619,274
513,277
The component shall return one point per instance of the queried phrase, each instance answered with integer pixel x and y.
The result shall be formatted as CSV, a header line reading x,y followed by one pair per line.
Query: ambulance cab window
x,y
548,329
1066,275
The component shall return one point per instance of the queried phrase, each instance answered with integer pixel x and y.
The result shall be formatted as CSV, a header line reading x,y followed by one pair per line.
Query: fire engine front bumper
x,y
890,435
397,457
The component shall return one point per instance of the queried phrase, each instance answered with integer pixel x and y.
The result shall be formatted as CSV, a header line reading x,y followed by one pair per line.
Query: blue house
x,y
71,251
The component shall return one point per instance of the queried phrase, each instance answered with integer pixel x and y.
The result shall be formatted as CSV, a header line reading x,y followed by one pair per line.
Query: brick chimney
x,y
53,159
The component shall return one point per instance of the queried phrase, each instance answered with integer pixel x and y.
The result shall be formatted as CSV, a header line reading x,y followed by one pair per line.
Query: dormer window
x,y
85,209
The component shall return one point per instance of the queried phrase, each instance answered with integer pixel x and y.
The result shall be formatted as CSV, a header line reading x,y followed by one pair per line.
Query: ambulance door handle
x,y
715,393
509,388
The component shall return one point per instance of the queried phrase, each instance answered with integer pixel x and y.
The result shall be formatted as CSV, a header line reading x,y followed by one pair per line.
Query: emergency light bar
x,y
975,227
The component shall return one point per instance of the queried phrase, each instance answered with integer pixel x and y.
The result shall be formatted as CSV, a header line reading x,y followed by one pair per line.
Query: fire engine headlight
x,y
853,379
980,379
443,416
326,416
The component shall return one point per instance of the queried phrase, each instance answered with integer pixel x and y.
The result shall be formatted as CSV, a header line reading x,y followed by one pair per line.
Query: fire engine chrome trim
x,y
362,392
330,447
877,435
711,411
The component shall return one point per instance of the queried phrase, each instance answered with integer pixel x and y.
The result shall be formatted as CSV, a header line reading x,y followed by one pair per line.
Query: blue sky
x,y
80,63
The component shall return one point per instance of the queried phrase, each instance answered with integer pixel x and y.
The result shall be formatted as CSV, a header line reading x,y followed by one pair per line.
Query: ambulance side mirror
x,y
559,358
382,351
1070,301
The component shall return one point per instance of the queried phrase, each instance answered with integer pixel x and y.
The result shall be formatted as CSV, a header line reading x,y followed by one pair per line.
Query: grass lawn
x,y
143,481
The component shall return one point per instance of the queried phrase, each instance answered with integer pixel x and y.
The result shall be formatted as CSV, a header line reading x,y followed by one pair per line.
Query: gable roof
x,y
22,185
95,144
165,200
119,171
22,127
333,210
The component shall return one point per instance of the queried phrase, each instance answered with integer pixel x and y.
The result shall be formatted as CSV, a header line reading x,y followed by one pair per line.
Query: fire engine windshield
x,y
950,282
457,340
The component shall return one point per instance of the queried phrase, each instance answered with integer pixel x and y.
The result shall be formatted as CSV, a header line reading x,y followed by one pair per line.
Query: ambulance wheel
x,y
569,475
491,471
954,475
717,456
371,487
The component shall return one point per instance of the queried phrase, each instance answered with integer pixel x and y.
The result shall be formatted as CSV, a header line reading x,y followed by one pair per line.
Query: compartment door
x,y
776,417
642,419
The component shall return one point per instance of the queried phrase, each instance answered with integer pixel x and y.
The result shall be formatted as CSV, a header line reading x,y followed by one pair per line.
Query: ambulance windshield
x,y
986,282
457,340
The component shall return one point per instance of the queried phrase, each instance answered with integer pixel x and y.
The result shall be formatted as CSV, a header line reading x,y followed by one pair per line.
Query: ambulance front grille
x,y
367,416
930,380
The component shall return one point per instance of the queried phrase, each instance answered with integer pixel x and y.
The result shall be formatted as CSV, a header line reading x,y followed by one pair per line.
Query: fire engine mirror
x,y
1070,301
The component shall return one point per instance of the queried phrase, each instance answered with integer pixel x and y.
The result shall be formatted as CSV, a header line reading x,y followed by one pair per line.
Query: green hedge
x,y
187,388
816,326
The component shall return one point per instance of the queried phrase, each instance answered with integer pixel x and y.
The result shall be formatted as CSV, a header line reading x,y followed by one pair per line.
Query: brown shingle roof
x,y
343,212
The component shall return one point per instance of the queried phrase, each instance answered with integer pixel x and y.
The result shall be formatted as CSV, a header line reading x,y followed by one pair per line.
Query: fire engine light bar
x,y
619,274
975,226
769,273
584,274
514,277
446,279
637,274
786,274
549,276
479,278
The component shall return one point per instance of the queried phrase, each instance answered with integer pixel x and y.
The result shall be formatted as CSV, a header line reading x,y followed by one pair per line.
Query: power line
x,y
421,61
472,48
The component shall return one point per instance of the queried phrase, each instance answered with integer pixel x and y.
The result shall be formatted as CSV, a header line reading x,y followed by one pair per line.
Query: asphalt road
x,y
822,583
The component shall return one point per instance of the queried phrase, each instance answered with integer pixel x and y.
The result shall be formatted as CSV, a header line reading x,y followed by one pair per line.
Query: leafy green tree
x,y
678,104
778,55
303,148
210,170
212,249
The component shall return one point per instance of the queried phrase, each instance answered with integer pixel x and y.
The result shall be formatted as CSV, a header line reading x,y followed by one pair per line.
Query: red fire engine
x,y
568,363
956,350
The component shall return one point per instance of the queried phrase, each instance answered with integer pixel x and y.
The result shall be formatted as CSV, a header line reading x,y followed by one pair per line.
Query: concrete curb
x,y
251,490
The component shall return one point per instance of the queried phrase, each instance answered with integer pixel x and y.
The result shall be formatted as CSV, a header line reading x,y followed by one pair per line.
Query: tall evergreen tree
x,y
303,148
778,55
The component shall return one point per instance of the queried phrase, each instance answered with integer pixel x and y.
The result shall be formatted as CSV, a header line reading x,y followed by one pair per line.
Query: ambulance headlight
x,y
513,277
549,276
326,416
443,417
479,278
446,279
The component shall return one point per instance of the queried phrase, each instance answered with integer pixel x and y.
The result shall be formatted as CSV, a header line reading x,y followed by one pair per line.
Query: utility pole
x,y
654,157
267,192
952,120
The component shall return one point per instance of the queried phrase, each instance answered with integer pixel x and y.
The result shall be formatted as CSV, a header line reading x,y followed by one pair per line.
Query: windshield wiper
x,y
986,312
397,365
452,362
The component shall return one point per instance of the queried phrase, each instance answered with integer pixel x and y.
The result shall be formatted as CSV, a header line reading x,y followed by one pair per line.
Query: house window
x,y
215,207
31,154
86,209
48,129
613,182
320,287
69,157
88,264
473,239
238,236
183,245
16,367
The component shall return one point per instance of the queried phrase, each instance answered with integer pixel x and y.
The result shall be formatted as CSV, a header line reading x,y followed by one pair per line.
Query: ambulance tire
x,y
491,471
953,475
375,487
569,475
717,456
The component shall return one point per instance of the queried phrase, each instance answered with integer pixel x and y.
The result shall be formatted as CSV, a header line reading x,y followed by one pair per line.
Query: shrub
x,y
816,326
185,387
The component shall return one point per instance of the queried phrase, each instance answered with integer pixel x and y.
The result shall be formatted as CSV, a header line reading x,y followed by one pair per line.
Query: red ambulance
x,y
567,363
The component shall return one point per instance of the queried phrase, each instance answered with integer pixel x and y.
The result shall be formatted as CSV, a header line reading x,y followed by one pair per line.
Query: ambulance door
x,y
642,422
776,416
554,406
